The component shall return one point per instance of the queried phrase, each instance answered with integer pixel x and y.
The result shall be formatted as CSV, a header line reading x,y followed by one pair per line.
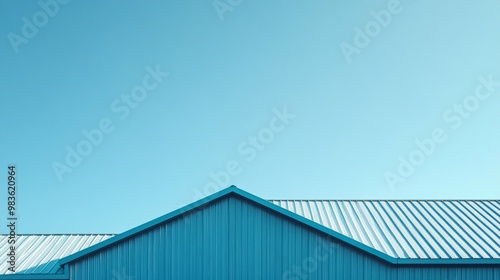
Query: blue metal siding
x,y
234,238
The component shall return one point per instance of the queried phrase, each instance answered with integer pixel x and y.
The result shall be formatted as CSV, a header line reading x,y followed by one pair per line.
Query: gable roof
x,y
411,229
397,231
394,255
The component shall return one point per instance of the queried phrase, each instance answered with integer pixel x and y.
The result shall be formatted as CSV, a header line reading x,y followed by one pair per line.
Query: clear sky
x,y
117,112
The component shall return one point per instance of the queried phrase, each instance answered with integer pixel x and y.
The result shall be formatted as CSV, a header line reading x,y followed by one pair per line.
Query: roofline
x,y
145,226
280,210
478,261
57,276
357,244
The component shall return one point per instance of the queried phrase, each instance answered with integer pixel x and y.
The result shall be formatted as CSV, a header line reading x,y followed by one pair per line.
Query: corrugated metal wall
x,y
235,239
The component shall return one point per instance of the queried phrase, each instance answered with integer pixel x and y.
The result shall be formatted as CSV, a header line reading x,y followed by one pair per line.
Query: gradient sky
x,y
228,75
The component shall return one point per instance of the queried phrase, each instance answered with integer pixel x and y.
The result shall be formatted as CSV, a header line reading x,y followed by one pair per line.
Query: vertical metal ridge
x,y
346,220
453,231
396,229
489,216
479,243
479,224
325,214
428,240
403,227
476,210
449,234
482,219
412,225
339,215
387,237
367,221
331,214
466,234
490,223
323,219
362,227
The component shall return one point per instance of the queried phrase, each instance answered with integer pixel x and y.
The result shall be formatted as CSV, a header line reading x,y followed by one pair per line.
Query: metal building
x,y
235,235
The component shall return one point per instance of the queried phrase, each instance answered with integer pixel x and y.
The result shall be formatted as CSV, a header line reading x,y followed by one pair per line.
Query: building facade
x,y
236,235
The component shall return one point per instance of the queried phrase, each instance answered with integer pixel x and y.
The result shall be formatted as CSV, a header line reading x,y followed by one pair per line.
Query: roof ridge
x,y
365,200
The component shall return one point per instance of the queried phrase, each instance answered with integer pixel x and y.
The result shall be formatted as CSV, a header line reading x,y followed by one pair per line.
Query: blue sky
x,y
192,96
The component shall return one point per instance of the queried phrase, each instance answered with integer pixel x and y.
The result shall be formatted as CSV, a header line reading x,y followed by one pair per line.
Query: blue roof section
x,y
386,255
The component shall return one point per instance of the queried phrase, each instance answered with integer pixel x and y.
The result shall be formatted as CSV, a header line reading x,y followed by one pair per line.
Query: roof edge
x,y
478,261
267,204
147,225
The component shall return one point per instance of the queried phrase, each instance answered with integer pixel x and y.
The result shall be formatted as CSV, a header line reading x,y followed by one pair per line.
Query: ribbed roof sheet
x,y
40,253
411,229
402,229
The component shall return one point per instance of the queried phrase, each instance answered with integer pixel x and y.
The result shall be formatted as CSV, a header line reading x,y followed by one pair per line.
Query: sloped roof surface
x,y
399,231
40,253
411,229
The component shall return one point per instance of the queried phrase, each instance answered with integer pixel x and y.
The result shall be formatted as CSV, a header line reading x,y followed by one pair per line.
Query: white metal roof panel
x,y
411,229
40,253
